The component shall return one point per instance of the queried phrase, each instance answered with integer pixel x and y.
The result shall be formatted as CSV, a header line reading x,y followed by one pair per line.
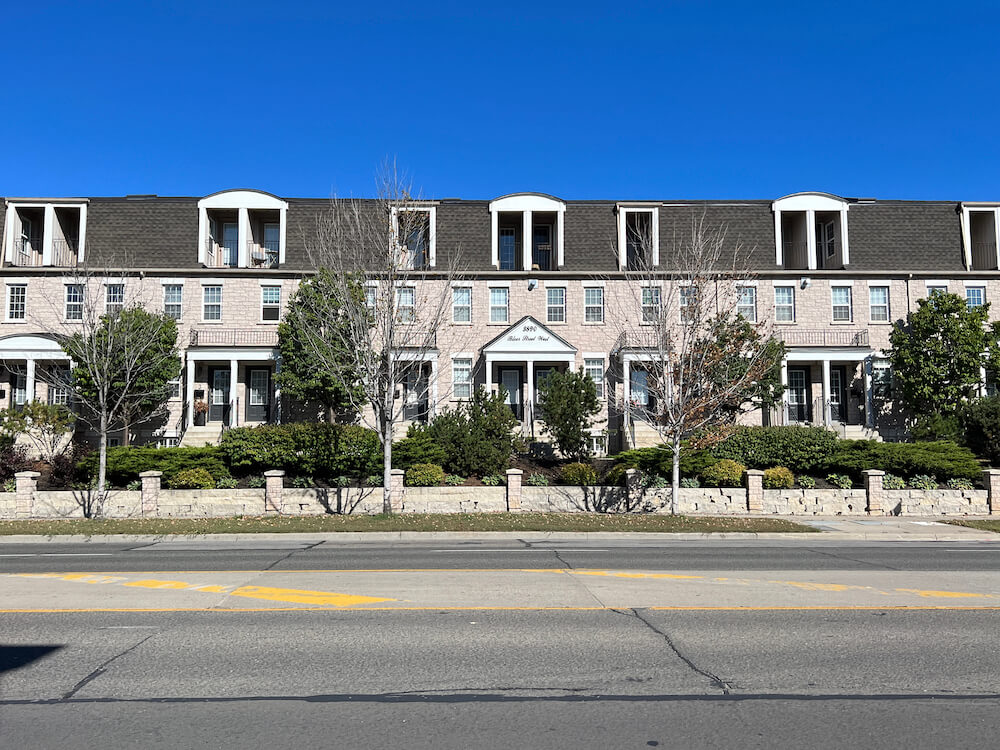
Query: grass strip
x,y
404,522
973,524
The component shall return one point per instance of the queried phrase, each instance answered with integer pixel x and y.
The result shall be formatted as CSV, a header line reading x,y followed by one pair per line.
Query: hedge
x,y
303,449
801,449
125,464
942,459
658,461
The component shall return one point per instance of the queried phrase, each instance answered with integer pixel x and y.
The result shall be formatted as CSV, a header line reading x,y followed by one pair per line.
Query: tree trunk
x,y
675,485
126,432
102,465
386,428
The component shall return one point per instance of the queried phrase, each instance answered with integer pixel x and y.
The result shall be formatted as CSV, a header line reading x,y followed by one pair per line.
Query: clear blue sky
x,y
582,100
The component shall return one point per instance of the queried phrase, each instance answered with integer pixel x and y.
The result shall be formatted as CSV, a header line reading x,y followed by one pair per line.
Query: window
x,y
370,293
57,386
413,229
881,378
638,240
461,378
746,305
114,298
878,304
975,296
936,290
74,302
174,388
17,296
406,304
826,238
593,305
555,309
212,299
499,305
114,441
508,250
650,304
270,303
461,304
594,368
784,304
168,442
842,311
687,301
598,444
173,299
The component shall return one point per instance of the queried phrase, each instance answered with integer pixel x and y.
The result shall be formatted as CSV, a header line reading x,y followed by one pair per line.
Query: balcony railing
x,y
264,254
27,251
793,337
64,253
234,337
988,249
220,256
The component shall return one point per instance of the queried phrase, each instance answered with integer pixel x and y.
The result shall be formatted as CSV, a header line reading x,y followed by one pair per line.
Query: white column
x,y
783,417
432,406
866,368
982,382
277,393
779,254
627,399
826,392
560,247
811,239
529,398
244,238
495,239
234,371
29,382
489,376
189,396
526,239
49,226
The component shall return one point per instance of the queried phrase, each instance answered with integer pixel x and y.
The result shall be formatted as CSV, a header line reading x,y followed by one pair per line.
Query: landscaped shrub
x,y
942,459
424,475
982,428
725,473
690,482
418,447
801,449
654,482
807,483
578,474
375,480
303,482
477,437
303,449
125,464
960,484
658,460
192,479
13,458
537,480
256,482
924,482
892,482
454,480
226,483
135,486
778,478
493,480
841,481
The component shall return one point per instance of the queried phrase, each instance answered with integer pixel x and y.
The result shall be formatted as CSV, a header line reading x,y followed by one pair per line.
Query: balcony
x,y
64,253
264,254
220,256
27,251
840,337
234,337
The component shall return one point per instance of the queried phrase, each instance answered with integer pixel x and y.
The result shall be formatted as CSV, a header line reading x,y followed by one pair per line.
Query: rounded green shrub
x,y
424,475
807,483
493,480
892,482
924,482
690,483
192,479
725,473
960,484
615,476
778,478
578,474
537,480
454,480
226,483
841,481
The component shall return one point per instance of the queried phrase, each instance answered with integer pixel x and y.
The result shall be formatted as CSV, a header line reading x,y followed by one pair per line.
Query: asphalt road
x,y
787,644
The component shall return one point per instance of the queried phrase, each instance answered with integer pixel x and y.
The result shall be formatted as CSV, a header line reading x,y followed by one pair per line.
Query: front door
x,y
258,394
218,394
798,395
838,394
510,379
20,390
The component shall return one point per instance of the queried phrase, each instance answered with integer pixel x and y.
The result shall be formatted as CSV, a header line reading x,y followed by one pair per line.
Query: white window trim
x,y
604,374
204,304
604,315
48,224
464,356
985,208
107,284
468,287
490,305
850,303
775,303
165,303
65,300
12,283
810,203
264,286
241,201
623,212
888,303
565,304
431,211
525,204
756,305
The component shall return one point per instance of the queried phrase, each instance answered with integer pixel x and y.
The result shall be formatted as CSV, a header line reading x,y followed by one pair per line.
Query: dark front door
x,y
258,394
218,394
838,394
510,379
799,406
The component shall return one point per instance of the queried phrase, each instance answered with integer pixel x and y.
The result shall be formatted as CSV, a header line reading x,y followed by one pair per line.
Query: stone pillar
x,y
633,488
754,479
991,480
873,490
274,483
150,491
26,482
514,490
396,488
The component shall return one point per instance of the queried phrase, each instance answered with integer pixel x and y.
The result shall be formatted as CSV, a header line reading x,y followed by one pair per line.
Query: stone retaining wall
x,y
152,501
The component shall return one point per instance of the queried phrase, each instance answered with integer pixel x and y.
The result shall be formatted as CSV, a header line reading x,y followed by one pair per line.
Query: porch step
x,y
195,437
646,435
858,432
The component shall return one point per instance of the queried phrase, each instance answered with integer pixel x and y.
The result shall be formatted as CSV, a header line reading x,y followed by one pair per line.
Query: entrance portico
x,y
832,370
222,376
21,357
518,357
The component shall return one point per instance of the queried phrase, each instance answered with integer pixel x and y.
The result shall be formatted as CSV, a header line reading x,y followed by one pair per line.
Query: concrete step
x,y
196,437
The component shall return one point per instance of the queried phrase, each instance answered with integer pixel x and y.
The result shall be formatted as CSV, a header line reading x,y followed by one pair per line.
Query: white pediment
x,y
30,346
528,336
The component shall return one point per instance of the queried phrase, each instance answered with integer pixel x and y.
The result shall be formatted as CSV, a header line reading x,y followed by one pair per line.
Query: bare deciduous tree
x,y
391,297
704,360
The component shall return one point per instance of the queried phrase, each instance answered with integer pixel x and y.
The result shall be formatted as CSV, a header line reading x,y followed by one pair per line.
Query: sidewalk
x,y
833,529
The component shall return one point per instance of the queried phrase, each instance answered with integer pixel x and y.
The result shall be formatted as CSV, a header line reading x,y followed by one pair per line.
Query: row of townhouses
x,y
541,288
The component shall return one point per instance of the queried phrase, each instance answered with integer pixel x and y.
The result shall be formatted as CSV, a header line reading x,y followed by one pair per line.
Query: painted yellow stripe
x,y
305,597
790,608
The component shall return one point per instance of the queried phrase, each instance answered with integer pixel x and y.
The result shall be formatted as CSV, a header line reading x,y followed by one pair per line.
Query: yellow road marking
x,y
305,597
693,608
614,574
945,594
151,584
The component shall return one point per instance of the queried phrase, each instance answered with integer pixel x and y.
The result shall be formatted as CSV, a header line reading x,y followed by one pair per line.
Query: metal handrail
x,y
233,337
215,254
849,337
265,254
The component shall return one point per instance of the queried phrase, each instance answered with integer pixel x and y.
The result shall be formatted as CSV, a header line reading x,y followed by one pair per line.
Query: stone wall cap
x,y
991,472
755,472
511,472
874,472
274,473
396,472
150,474
28,474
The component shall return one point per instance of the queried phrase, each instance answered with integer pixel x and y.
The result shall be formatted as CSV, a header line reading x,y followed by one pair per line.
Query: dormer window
x,y
45,233
241,229
527,232
810,231
980,222
413,229
638,237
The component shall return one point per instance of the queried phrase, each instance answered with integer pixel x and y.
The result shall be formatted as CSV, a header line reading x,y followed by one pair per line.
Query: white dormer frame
x,y
984,208
810,204
623,210
526,204
431,211
241,201
49,206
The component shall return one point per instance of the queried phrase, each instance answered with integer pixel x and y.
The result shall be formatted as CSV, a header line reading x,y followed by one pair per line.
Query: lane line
x,y
697,608
60,554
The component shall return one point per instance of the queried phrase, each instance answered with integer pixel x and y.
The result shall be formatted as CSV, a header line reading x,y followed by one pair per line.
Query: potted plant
x,y
200,412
